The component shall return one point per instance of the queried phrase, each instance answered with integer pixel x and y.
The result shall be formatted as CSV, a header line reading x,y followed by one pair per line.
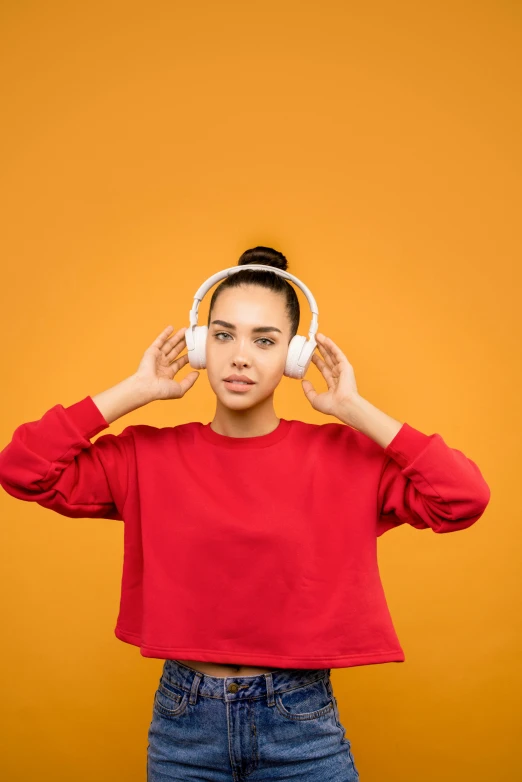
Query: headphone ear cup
x,y
197,356
295,348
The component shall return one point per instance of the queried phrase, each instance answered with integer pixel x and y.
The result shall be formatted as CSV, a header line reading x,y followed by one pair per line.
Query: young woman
x,y
250,562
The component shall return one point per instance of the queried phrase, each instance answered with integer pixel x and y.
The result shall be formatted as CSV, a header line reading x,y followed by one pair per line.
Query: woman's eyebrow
x,y
256,330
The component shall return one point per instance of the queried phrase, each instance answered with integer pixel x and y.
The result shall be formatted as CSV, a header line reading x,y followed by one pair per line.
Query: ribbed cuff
x,y
407,444
87,417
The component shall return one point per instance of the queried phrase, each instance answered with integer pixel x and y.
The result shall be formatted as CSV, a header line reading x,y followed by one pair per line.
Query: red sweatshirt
x,y
259,551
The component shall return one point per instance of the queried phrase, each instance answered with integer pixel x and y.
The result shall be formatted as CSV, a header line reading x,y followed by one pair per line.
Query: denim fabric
x,y
282,725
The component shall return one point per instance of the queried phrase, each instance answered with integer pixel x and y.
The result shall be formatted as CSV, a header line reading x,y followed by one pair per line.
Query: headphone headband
x,y
211,281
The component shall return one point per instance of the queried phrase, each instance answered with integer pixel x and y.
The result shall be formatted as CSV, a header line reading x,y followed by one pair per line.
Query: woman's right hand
x,y
160,363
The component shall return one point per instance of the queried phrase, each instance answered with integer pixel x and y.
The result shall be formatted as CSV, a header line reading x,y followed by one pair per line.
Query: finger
x,y
179,362
326,347
171,351
188,381
165,333
324,355
173,341
160,339
309,390
325,370
332,349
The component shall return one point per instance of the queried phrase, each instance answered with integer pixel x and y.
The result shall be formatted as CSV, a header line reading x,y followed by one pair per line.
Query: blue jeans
x,y
281,725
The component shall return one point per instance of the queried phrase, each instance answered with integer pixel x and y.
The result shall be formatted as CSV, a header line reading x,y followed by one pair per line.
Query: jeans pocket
x,y
306,702
170,699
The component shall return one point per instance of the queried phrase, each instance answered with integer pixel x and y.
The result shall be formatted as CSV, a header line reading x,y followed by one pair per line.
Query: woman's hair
x,y
266,279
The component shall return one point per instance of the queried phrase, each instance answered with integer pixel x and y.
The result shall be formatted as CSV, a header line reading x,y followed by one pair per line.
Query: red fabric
x,y
258,551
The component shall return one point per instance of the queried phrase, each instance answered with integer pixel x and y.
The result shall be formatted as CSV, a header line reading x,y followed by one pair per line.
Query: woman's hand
x,y
339,376
160,363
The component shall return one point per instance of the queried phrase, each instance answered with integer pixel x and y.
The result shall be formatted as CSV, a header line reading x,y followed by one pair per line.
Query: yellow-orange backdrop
x,y
377,145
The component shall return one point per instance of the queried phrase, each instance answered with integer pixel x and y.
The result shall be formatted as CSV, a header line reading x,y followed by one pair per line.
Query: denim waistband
x,y
231,688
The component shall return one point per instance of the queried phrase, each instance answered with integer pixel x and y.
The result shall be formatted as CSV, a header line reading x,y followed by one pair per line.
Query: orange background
x,y
377,145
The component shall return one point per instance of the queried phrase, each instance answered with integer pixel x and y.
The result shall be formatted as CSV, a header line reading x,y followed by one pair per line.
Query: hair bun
x,y
264,255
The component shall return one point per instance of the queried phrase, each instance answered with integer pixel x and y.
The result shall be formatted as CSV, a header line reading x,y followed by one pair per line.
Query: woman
x,y
250,560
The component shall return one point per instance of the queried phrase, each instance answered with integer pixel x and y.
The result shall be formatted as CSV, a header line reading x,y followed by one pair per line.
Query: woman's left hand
x,y
339,376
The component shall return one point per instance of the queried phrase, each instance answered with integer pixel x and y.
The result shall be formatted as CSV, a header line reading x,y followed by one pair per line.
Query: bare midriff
x,y
223,670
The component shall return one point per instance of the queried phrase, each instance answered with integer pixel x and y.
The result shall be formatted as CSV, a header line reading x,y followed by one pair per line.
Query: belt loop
x,y
269,689
195,686
329,686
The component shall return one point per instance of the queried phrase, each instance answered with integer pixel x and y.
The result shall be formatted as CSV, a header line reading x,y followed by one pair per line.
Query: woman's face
x,y
234,348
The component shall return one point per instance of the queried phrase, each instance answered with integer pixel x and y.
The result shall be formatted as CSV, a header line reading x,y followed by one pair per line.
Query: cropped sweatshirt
x,y
258,551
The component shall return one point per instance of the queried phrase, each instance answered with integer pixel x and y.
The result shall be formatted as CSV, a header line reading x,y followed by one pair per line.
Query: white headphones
x,y
300,349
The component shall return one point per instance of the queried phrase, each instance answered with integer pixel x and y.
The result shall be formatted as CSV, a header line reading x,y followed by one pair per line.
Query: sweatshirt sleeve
x,y
427,484
53,463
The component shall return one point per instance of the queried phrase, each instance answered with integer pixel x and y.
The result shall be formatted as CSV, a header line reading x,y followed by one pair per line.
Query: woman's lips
x,y
237,386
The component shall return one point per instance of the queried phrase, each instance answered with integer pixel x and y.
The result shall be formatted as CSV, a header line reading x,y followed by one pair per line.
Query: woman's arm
x,y
122,398
53,462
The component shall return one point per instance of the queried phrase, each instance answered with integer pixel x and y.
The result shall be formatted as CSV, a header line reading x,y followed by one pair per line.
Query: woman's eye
x,y
225,334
